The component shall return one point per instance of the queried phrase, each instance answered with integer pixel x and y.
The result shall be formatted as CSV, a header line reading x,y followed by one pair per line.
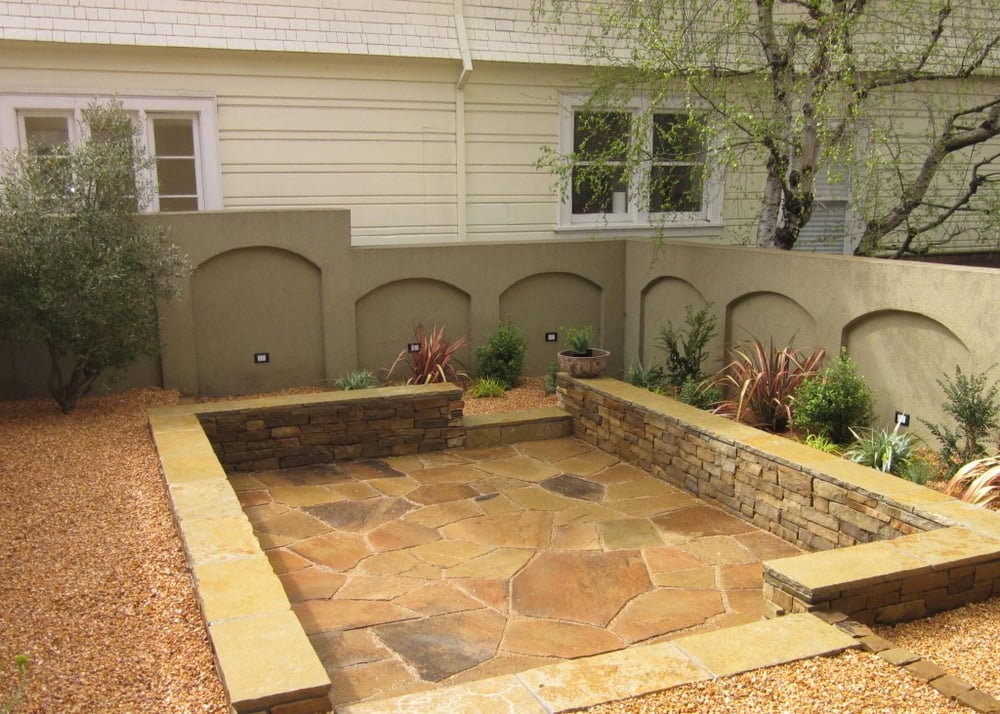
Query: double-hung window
x,y
179,134
634,167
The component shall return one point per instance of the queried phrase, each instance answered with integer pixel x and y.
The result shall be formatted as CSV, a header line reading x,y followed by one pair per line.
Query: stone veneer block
x,y
248,649
487,430
616,675
206,498
961,513
764,644
824,574
498,694
210,539
950,547
237,588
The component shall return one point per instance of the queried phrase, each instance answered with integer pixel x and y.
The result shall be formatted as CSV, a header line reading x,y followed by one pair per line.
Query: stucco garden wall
x,y
289,285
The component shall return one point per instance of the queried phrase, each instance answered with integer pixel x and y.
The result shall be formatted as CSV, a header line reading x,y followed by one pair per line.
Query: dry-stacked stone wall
x,y
372,423
884,549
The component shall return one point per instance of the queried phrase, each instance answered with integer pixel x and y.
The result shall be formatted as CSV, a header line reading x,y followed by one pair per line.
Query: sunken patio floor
x,y
419,572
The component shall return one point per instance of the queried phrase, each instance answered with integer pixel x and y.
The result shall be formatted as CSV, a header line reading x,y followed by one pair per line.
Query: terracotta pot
x,y
584,366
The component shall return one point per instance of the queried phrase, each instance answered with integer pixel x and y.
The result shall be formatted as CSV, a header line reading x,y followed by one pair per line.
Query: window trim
x,y
633,218
207,166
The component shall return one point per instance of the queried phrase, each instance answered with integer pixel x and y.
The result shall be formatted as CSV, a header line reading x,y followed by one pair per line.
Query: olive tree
x,y
79,270
899,97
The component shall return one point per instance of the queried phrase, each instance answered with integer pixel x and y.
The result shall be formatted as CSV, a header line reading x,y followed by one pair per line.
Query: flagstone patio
x,y
418,572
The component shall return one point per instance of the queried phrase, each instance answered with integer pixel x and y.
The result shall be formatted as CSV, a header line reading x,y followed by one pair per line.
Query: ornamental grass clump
x,y
487,388
892,452
360,379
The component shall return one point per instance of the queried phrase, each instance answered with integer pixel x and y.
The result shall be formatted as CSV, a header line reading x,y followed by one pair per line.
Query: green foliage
x,y
834,401
977,481
488,388
701,393
549,383
685,346
890,451
361,379
973,405
434,361
578,338
502,357
761,380
9,702
650,378
823,443
78,270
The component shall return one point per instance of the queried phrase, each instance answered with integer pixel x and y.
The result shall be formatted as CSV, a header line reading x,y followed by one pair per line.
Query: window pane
x,y
173,136
675,188
182,203
604,134
46,133
176,167
674,139
595,186
177,177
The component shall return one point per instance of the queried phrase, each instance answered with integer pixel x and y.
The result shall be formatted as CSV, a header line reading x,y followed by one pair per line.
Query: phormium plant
x,y
760,381
434,361
977,482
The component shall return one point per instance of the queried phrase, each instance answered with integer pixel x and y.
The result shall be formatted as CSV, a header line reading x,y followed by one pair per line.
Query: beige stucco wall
x,y
289,283
906,324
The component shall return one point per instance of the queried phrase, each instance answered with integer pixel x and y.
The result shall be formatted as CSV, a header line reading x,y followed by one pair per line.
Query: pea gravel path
x,y
95,591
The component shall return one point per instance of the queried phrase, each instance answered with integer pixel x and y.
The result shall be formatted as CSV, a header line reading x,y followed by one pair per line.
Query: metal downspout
x,y
463,76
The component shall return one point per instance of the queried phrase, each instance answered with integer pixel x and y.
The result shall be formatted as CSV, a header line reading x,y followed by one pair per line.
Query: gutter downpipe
x,y
463,77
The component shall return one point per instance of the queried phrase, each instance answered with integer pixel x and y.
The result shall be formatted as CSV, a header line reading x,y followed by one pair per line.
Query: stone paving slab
x,y
479,563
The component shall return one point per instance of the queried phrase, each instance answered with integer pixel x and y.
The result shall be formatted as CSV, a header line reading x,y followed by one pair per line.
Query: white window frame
x,y
13,107
634,217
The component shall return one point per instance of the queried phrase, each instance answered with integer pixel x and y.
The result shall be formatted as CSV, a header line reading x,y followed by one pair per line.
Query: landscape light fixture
x,y
261,357
551,336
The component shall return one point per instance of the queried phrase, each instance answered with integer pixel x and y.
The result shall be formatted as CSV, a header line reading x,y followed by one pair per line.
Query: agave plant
x,y
977,482
761,381
890,451
434,361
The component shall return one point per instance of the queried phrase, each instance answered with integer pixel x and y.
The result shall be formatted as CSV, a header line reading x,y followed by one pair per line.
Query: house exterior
x,y
424,118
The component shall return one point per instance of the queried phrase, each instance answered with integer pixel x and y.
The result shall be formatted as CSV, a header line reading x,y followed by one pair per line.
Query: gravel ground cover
x,y
96,593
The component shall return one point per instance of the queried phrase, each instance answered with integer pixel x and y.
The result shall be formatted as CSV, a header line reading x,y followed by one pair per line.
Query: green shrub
x,y
10,701
761,381
685,347
889,451
487,388
973,405
361,379
823,443
549,383
502,357
832,402
650,378
701,393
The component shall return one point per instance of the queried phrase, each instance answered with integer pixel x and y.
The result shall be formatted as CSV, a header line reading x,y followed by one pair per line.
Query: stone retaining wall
x,y
389,421
892,550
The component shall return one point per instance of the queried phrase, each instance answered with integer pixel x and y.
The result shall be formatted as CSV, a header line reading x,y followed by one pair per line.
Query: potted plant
x,y
579,359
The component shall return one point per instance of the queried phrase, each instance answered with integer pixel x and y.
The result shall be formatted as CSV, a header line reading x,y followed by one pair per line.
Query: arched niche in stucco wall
x,y
386,318
548,302
664,301
903,355
254,301
770,316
